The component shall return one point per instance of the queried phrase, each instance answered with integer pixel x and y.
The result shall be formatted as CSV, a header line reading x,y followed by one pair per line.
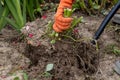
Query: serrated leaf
x,y
49,67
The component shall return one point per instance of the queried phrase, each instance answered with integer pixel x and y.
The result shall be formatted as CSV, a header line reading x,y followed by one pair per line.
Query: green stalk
x,y
83,6
16,26
103,3
16,11
24,10
65,13
115,1
2,19
76,21
90,3
12,9
69,12
96,1
1,9
30,9
40,1
37,4
16,3
37,8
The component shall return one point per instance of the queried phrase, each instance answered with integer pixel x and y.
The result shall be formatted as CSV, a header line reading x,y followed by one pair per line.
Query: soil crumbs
x,y
72,60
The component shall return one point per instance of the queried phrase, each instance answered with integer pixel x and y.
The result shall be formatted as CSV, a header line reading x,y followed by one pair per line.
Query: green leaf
x,y
3,14
24,10
56,35
38,9
116,50
16,78
2,2
49,67
30,9
53,41
65,12
12,9
14,25
25,76
1,10
68,12
96,6
47,74
52,34
76,21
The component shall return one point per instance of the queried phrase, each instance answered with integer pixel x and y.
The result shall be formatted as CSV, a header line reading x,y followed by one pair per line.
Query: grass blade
x,y
24,10
4,14
11,22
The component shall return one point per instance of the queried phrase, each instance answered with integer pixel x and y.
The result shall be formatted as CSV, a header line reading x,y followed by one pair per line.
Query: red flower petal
x,y
30,35
3,76
75,31
44,17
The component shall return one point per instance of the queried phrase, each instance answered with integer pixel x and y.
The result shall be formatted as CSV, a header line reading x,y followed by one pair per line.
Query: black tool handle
x,y
106,20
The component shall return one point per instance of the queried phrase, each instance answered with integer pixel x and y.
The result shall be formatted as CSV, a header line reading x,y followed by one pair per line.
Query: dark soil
x,y
64,56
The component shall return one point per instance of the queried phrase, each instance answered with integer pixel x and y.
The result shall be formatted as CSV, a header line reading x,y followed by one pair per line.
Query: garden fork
x,y
105,22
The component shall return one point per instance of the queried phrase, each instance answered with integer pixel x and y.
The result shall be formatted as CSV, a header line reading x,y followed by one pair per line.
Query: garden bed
x,y
72,60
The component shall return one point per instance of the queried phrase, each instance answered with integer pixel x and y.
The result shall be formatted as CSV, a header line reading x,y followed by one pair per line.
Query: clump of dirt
x,y
64,56
35,31
88,57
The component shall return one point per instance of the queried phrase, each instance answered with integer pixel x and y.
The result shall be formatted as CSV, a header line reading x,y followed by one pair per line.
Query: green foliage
x,y
93,6
16,11
112,48
25,76
33,7
54,35
68,13
19,11
47,73
3,13
116,50
16,78
68,33
73,25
